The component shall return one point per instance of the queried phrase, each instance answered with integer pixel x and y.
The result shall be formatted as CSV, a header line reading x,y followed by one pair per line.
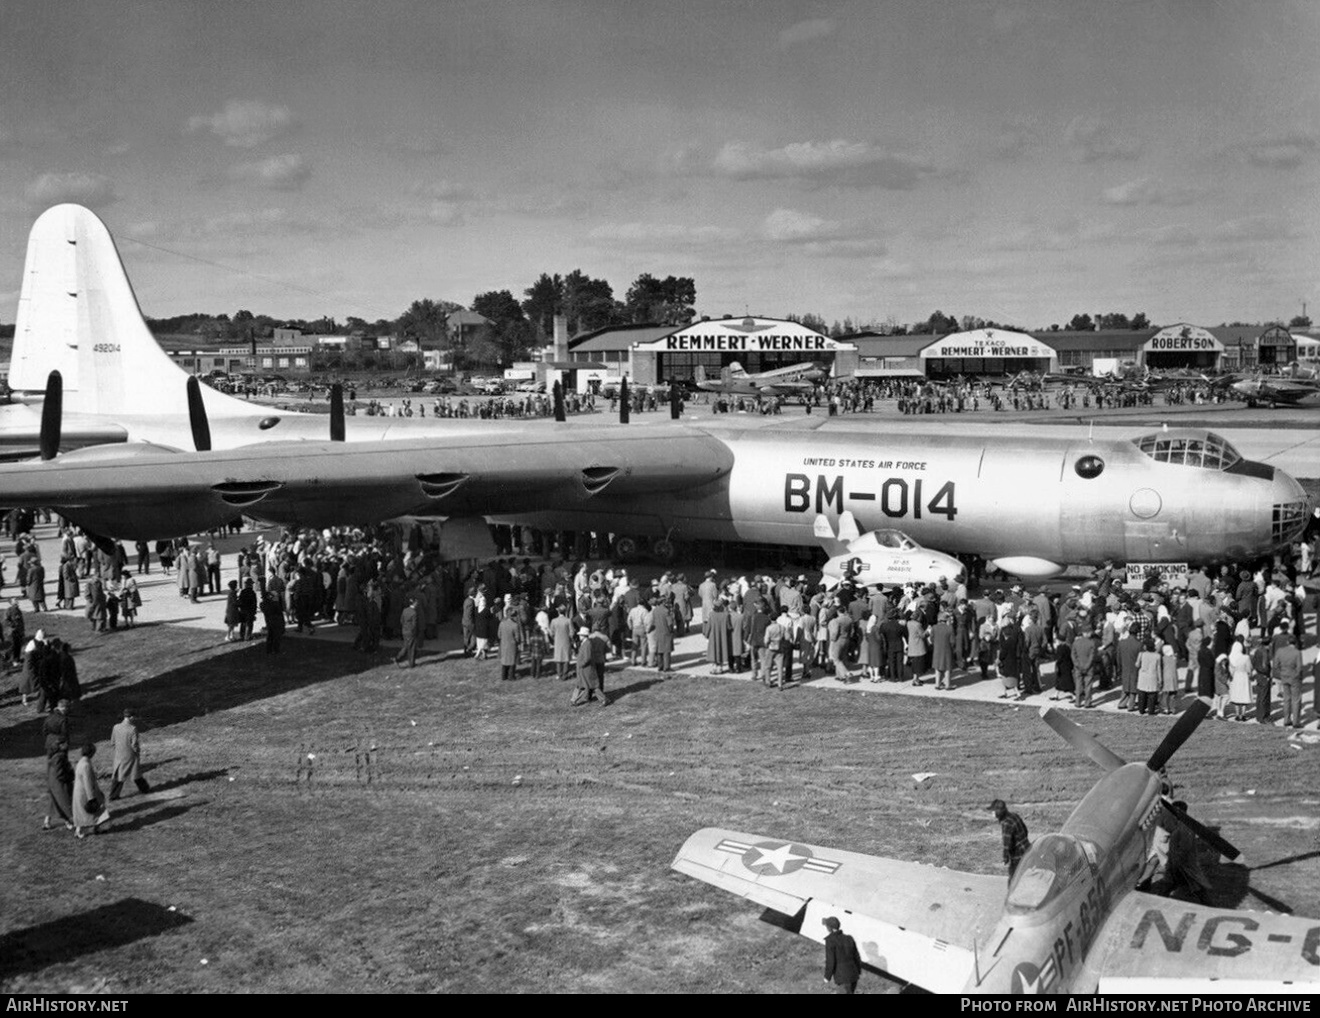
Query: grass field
x,y
324,821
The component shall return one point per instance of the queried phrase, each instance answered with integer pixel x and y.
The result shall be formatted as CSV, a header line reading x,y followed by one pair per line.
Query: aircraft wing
x,y
912,921
787,388
1167,945
143,491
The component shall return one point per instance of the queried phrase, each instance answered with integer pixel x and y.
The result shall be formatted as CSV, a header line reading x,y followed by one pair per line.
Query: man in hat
x,y
843,963
128,756
588,680
1016,841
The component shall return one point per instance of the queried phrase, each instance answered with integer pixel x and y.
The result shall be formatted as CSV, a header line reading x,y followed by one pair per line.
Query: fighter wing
x,y
1168,945
912,921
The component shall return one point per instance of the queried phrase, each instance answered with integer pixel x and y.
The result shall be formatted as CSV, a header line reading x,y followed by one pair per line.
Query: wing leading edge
x,y
915,922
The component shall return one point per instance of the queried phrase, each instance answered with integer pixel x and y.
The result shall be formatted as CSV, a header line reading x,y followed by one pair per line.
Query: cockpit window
x,y
1210,453
1047,869
894,539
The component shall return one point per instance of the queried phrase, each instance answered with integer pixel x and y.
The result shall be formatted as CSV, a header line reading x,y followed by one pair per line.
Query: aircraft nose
x,y
1291,507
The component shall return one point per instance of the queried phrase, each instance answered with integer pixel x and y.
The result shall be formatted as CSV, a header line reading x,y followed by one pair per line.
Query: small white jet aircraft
x,y
880,557
794,380
1072,921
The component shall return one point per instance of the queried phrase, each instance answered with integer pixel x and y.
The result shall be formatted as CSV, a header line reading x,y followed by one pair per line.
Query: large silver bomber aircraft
x,y
1033,505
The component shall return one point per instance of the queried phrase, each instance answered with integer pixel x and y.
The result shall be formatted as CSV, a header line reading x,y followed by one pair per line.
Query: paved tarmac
x,y
162,603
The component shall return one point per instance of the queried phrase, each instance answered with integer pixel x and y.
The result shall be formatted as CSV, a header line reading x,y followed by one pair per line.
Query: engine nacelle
x,y
135,523
1028,567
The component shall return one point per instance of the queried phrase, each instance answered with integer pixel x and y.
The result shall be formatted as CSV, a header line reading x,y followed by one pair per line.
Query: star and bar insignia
x,y
776,858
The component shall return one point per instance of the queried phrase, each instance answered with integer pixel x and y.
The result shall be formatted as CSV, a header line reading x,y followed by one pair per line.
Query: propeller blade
x,y
336,413
1220,845
1079,738
52,414
560,415
624,408
1179,734
675,402
201,430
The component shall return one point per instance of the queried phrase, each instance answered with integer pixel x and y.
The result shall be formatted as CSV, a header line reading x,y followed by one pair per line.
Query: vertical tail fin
x,y
736,370
699,373
78,314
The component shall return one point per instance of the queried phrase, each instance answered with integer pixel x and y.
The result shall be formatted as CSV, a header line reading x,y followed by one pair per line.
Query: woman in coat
x,y
719,636
1063,670
917,648
1148,678
1010,657
88,802
1239,685
231,611
941,651
59,785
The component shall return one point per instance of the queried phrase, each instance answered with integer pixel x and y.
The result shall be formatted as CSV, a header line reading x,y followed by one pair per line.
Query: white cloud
x,y
245,123
841,162
89,189
1254,228
287,172
1092,140
816,236
791,225
806,31
661,233
1284,152
1148,191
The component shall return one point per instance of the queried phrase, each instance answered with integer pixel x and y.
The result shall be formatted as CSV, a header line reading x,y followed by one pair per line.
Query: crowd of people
x,y
1232,634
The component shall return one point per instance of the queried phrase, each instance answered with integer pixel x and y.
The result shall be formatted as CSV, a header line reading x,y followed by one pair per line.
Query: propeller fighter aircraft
x,y
1072,920
793,380
1032,505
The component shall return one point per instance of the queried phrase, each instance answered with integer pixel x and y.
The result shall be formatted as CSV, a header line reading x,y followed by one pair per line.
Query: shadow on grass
x,y
143,819
67,939
191,690
188,779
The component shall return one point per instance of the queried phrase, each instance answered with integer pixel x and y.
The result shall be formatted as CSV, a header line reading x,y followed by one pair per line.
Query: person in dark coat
x,y
272,610
16,628
231,610
843,963
247,610
36,586
1205,670
69,686
587,679
59,785
662,634
48,677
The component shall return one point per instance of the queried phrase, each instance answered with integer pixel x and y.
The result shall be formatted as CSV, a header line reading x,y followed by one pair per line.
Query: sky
x,y
1017,161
